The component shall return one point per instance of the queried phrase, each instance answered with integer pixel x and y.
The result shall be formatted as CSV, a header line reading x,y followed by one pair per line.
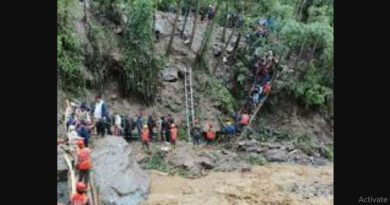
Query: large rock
x,y
169,75
276,155
120,179
187,159
62,169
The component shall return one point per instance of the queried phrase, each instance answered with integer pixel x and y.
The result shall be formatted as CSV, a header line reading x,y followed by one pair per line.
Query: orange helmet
x,y
80,186
80,143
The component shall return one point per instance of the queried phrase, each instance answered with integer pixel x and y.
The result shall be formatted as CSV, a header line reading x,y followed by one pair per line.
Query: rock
x,y
206,163
181,157
124,19
169,75
114,97
229,49
118,30
62,168
276,155
119,177
217,51
320,162
116,56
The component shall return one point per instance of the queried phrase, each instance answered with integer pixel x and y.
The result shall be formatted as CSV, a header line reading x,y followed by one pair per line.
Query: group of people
x,y
261,70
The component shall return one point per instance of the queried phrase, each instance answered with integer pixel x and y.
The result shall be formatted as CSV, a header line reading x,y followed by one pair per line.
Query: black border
x,y
29,97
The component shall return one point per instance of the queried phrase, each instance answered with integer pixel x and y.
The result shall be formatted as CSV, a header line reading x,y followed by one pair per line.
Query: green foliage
x,y
327,152
156,162
310,88
255,160
140,64
69,54
306,144
222,96
182,134
164,5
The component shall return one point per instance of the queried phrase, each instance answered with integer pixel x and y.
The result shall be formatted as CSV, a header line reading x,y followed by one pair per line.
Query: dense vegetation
x,y
302,36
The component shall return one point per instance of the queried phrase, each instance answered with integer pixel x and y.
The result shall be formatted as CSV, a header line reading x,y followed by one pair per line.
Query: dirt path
x,y
272,184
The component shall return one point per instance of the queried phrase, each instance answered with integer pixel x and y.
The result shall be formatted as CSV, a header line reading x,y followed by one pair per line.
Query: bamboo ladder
x,y
93,194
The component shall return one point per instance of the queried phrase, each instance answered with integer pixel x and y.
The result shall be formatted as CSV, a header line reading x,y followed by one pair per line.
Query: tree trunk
x,y
206,39
85,12
185,21
173,28
313,50
198,3
236,44
300,52
226,21
154,17
220,59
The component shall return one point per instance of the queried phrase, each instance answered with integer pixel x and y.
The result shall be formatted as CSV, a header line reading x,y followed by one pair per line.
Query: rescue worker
x,y
145,136
173,135
83,163
196,132
230,129
211,13
244,119
210,135
80,197
164,129
73,138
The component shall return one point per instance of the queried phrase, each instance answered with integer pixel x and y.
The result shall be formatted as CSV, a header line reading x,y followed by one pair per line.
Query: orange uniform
x,y
84,159
173,132
79,199
245,119
145,135
210,134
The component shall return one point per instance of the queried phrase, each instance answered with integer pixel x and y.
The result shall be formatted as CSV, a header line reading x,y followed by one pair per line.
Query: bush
x,y
256,160
310,89
222,97
156,162
69,54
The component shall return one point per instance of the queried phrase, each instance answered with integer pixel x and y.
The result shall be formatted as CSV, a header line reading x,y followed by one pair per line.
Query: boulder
x,y
114,96
62,168
276,155
186,159
169,75
117,174
207,163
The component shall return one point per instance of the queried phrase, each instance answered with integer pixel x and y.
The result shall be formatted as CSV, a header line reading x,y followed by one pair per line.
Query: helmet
x,y
145,126
229,123
173,125
80,143
80,186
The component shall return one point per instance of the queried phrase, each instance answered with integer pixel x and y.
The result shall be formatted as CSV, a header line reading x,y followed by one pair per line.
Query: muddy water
x,y
276,184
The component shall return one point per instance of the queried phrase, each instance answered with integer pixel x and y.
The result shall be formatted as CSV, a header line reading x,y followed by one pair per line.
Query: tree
x,y
198,3
173,28
220,59
187,10
206,38
225,20
140,66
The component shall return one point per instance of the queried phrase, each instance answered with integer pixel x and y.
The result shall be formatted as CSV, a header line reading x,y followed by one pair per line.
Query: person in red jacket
x,y
267,88
83,163
244,119
80,197
173,133
210,135
145,136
